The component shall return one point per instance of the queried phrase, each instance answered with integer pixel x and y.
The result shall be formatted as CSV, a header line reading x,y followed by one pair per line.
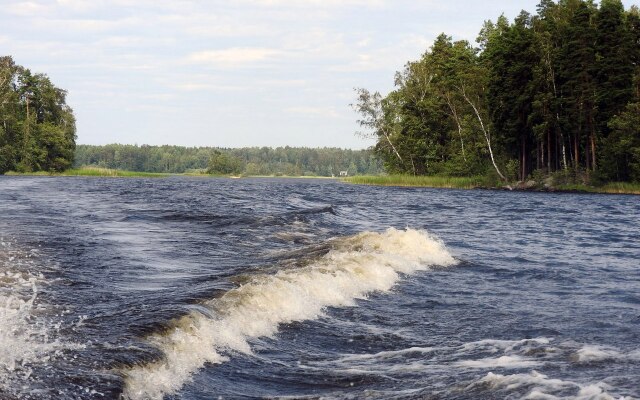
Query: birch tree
x,y
378,124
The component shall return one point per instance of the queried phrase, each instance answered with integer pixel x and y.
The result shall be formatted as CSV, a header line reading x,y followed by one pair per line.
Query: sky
x,y
231,73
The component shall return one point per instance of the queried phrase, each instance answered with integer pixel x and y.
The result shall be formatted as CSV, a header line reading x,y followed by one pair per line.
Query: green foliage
x,y
554,91
512,169
427,125
420,181
96,172
290,161
37,127
622,153
224,164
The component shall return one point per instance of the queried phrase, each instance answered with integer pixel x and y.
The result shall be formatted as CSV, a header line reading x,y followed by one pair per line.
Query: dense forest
x,y
555,92
37,127
291,161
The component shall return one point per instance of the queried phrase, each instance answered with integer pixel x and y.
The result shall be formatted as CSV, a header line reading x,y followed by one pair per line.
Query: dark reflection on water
x,y
544,298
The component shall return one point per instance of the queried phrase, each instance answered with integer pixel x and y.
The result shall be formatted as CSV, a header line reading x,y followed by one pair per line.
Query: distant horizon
x,y
243,74
222,147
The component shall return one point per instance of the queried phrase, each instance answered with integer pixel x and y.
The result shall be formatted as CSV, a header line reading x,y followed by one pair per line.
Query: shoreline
x,y
467,183
403,181
116,173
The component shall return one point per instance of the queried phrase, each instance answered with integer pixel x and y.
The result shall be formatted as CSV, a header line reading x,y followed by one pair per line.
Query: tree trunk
x,y
548,150
454,113
593,152
384,132
539,154
25,142
587,157
484,131
524,160
576,159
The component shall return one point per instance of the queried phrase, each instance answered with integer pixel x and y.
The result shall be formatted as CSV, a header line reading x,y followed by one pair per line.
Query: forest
x,y
37,128
289,161
556,92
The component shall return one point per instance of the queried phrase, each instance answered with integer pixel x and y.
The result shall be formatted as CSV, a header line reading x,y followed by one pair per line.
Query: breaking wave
x,y
27,337
540,386
355,267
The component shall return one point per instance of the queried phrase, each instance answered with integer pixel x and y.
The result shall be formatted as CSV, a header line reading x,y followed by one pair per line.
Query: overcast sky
x,y
229,73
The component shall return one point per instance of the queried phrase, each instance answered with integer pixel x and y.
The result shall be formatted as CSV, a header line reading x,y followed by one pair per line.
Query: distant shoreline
x,y
116,173
435,182
468,183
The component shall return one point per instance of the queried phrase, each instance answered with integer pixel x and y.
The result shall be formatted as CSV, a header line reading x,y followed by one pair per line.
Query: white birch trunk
x,y
486,133
454,113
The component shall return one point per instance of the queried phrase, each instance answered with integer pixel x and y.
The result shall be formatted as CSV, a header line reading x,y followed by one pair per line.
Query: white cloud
x,y
283,82
320,3
291,60
79,5
207,24
233,57
325,112
208,87
26,8
86,25
131,41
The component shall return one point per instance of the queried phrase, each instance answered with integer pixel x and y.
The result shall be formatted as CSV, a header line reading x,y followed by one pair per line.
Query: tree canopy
x,y
292,161
556,90
37,127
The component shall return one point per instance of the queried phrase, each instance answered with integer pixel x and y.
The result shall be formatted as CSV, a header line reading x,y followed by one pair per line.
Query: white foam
x,y
540,386
496,345
25,334
359,265
390,354
596,353
593,353
500,362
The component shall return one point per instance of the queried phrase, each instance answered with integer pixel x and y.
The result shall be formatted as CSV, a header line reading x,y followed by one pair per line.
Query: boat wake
x,y
355,267
27,336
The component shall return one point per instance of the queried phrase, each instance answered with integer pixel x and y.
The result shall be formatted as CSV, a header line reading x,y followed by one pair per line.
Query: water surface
x,y
187,288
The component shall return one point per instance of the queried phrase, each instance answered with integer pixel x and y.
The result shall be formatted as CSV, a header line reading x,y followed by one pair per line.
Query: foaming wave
x,y
438,363
357,266
482,354
540,386
25,335
500,362
495,345
592,353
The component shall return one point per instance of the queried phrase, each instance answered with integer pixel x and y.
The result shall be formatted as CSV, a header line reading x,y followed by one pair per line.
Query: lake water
x,y
188,288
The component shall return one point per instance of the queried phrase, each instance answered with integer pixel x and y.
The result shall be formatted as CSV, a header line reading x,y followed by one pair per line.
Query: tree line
x,y
37,127
290,161
555,91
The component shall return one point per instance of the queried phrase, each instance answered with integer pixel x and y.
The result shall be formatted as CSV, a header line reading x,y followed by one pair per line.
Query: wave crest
x,y
357,266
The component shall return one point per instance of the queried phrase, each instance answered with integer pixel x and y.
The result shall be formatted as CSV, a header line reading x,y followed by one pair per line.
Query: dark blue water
x,y
187,288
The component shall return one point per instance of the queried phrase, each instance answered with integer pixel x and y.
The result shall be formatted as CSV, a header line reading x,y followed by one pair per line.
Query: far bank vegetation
x,y
249,161
550,99
37,127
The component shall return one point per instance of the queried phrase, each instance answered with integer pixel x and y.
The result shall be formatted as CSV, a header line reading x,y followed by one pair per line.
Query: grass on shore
x,y
419,181
622,188
482,182
611,187
381,180
107,172
94,171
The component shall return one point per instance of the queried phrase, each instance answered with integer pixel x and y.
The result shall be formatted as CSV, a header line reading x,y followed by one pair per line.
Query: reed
x,y
419,181
97,171
94,171
611,187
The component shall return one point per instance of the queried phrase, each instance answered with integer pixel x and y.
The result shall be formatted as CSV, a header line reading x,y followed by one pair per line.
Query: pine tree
x,y
578,86
614,68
